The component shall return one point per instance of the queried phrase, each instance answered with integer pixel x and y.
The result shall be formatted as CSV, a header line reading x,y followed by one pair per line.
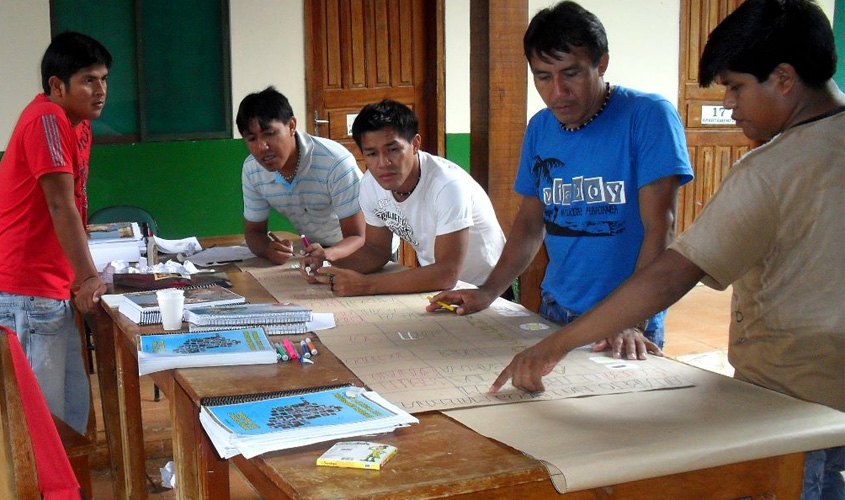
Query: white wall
x,y
24,35
268,49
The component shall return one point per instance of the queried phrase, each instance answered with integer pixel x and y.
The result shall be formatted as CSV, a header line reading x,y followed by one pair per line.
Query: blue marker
x,y
305,352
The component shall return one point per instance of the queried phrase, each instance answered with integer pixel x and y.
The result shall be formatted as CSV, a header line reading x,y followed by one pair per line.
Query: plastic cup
x,y
171,303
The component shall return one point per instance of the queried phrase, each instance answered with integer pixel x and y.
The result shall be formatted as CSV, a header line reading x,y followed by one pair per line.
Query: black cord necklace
x,y
405,194
298,157
607,91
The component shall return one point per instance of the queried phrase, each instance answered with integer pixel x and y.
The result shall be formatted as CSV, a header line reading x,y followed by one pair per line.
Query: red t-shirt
x,y
44,141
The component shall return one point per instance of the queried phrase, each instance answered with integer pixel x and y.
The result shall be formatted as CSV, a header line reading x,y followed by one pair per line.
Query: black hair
x,y
264,107
561,28
760,34
385,114
68,53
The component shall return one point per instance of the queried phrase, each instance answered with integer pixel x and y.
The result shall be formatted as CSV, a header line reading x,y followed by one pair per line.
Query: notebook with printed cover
x,y
253,424
249,314
142,307
165,351
111,232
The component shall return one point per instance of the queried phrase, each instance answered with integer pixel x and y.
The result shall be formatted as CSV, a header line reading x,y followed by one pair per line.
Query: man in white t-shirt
x,y
427,201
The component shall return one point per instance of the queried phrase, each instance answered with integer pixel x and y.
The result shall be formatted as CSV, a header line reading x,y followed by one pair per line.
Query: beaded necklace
x,y
608,90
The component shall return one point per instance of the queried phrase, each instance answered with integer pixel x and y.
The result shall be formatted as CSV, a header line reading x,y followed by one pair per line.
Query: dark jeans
x,y
550,309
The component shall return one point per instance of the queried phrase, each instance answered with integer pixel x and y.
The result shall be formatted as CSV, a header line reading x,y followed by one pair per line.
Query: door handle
x,y
317,122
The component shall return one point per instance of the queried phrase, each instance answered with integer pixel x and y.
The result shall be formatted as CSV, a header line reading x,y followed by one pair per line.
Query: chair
x,y
119,213
18,473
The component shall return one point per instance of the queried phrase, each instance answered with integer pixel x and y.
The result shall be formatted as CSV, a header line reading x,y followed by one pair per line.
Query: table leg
x,y
200,473
104,340
131,426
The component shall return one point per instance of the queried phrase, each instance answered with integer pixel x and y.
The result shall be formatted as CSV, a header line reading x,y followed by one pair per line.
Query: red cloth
x,y
56,480
43,142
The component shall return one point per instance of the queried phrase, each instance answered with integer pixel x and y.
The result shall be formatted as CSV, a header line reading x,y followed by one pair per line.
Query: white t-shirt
x,y
446,200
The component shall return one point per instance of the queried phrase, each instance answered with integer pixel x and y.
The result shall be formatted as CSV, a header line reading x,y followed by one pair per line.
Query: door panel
x,y
713,147
362,51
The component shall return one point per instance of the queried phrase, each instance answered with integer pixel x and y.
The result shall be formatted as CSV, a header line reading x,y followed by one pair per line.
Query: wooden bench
x,y
18,477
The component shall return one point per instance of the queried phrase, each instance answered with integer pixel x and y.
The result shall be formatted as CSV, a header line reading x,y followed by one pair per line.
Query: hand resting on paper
x,y
635,344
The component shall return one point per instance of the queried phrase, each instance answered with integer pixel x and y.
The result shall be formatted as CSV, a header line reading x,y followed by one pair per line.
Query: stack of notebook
x,y
142,307
277,319
114,241
165,351
257,423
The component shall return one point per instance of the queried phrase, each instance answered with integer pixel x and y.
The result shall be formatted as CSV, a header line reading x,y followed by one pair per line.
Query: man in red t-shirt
x,y
44,253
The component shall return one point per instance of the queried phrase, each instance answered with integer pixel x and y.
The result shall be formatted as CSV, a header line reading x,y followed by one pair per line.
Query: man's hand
x,y
86,294
279,252
343,282
527,369
467,301
632,340
312,262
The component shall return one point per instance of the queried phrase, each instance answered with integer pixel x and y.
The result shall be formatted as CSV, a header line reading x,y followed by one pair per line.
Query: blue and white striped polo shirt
x,y
324,190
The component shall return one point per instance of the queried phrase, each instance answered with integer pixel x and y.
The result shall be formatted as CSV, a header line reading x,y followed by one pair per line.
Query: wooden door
x,y
362,51
713,141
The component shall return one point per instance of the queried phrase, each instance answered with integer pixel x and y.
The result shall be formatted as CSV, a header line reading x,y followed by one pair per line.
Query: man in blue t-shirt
x,y
599,175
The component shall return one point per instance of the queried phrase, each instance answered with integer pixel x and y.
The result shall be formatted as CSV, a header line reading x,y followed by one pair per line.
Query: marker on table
x,y
281,352
289,348
443,304
305,352
311,346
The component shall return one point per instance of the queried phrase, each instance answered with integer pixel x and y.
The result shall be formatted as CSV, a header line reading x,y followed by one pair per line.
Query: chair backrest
x,y
18,477
123,213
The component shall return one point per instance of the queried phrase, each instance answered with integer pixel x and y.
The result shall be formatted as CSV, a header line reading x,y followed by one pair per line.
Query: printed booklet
x,y
257,423
164,351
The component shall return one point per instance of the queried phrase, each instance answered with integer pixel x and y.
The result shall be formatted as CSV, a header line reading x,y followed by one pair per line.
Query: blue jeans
x,y
823,474
52,344
551,310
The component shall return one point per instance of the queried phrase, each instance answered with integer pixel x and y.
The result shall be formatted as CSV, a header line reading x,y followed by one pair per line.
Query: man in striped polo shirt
x,y
311,181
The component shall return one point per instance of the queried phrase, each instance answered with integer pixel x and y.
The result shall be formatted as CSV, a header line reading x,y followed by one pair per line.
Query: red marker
x,y
304,240
290,349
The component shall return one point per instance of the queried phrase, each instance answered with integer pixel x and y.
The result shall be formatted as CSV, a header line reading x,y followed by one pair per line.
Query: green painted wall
x,y
457,149
192,188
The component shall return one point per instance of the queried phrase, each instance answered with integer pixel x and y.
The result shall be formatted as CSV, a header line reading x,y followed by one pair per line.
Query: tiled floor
x,y
697,333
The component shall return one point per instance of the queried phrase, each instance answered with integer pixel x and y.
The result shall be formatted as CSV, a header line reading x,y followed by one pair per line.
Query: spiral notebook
x,y
165,351
142,307
270,328
253,424
249,314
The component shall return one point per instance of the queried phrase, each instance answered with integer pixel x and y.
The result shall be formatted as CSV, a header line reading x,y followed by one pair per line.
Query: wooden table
x,y
437,457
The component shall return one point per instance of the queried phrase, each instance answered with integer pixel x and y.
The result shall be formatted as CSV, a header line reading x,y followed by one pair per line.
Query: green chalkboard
x,y
170,79
112,23
184,72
